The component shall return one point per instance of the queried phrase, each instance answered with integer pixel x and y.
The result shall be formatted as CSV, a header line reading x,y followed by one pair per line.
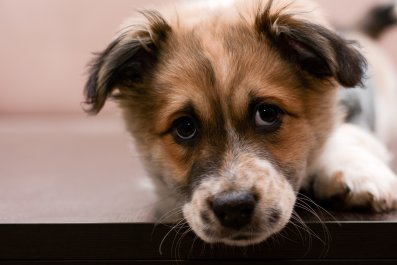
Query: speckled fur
x,y
214,61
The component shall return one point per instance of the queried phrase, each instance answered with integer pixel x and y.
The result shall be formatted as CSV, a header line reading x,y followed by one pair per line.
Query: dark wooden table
x,y
72,190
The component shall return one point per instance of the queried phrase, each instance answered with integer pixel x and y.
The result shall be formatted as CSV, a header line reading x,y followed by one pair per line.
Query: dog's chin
x,y
237,239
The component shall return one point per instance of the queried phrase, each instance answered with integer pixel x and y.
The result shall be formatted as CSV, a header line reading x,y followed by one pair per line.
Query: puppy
x,y
236,106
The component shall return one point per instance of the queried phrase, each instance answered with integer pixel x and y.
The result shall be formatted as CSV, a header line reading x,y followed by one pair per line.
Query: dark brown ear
x,y
313,48
125,62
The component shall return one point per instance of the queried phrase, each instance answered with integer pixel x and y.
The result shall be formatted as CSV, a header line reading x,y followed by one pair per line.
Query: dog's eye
x,y
268,116
184,129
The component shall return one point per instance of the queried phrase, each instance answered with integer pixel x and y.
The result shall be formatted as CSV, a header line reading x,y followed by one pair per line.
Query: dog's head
x,y
228,105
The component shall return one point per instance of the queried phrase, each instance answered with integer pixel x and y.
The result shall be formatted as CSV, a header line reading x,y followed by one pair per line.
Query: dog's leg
x,y
353,170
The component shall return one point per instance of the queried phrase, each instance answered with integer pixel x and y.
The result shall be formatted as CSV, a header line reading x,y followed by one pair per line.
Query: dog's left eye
x,y
268,116
184,129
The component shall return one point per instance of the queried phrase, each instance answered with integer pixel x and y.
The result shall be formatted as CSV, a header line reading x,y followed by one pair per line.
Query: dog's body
x,y
234,106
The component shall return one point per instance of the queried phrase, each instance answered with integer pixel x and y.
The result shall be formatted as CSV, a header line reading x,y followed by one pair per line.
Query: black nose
x,y
234,209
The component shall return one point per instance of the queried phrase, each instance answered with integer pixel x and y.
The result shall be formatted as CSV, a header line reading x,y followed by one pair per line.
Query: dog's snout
x,y
234,209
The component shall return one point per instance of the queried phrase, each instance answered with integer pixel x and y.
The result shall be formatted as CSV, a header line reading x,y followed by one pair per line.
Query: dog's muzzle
x,y
241,209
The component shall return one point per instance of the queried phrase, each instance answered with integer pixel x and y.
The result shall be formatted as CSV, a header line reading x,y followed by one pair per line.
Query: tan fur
x,y
212,61
247,67
235,66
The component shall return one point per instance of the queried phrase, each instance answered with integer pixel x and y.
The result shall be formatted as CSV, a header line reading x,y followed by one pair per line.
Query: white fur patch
x,y
354,167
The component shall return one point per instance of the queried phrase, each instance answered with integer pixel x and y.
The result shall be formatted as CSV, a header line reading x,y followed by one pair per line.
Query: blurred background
x,y
46,44
54,160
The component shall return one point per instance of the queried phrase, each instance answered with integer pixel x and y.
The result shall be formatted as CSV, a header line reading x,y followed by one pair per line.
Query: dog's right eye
x,y
184,129
268,117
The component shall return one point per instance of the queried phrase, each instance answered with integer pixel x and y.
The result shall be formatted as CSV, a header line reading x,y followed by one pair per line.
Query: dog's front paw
x,y
352,171
372,186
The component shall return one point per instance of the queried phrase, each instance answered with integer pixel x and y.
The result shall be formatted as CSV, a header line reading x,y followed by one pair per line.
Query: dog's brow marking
x,y
214,51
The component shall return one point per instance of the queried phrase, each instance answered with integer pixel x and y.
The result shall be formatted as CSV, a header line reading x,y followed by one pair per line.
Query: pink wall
x,y
46,44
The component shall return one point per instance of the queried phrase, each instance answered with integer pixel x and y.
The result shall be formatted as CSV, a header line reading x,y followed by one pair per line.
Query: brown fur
x,y
215,71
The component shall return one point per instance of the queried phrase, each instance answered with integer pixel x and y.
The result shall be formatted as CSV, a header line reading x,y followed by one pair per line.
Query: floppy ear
x,y
313,48
125,62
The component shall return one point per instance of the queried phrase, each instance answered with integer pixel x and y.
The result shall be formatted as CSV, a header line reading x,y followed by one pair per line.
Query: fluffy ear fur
x,y
313,48
125,62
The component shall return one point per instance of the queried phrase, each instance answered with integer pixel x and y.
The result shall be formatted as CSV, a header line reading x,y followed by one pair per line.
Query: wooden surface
x,y
70,169
72,189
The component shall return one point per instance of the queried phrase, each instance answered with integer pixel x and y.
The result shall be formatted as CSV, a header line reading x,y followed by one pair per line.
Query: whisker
x,y
167,215
303,203
166,235
308,228
302,226
194,241
179,243
296,221
319,207
172,212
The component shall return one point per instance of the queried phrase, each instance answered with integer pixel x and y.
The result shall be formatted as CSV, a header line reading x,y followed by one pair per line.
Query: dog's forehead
x,y
220,69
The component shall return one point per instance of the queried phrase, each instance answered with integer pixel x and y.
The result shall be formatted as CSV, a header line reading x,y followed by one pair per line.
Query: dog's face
x,y
228,111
